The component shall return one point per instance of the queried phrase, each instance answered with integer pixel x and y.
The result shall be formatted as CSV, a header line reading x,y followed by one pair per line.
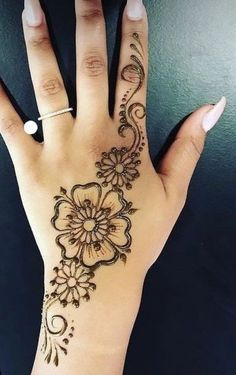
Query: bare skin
x,y
118,256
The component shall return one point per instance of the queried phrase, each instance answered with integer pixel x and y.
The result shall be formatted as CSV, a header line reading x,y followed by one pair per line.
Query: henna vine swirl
x,y
94,226
54,328
119,167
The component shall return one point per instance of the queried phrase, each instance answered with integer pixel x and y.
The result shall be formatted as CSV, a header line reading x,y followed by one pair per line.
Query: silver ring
x,y
53,114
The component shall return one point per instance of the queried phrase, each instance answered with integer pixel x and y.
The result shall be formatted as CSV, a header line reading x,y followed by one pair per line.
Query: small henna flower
x,y
72,283
119,168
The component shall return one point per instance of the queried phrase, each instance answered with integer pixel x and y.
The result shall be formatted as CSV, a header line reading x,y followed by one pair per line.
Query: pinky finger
x,y
21,146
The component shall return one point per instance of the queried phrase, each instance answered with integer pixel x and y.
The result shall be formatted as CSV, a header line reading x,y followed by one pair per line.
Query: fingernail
x,y
134,9
212,117
33,13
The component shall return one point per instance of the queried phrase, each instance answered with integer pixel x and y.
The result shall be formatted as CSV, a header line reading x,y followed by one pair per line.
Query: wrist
x,y
97,332
106,285
109,293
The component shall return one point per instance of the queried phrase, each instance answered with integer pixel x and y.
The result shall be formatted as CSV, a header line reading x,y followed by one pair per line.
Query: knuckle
x,y
197,145
39,41
91,15
135,30
93,65
62,161
50,86
193,147
94,145
9,126
95,149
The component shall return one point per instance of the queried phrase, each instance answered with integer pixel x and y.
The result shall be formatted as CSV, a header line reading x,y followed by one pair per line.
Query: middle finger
x,y
92,71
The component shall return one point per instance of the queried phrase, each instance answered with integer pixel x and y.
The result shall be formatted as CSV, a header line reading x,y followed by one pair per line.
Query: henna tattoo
x,y
137,39
94,225
94,228
118,167
72,283
134,47
57,333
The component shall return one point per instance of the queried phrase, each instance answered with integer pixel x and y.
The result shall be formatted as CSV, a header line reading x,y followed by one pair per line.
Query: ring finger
x,y
48,84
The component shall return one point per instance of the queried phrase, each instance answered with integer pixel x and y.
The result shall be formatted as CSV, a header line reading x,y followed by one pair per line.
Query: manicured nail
x,y
212,117
135,10
33,13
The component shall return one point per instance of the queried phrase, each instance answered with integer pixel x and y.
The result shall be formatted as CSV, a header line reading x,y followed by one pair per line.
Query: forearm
x,y
97,333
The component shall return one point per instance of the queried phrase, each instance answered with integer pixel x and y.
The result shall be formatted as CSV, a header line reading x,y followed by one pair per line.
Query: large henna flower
x,y
72,283
95,230
118,168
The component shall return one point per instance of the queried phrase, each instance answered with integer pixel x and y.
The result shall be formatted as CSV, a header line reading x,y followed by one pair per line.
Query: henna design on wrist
x,y
54,329
72,284
93,222
94,230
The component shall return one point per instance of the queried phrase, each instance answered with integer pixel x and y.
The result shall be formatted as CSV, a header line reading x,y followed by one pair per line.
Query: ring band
x,y
53,114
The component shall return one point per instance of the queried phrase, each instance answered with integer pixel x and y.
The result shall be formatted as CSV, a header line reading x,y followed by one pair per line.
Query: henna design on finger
x,y
119,167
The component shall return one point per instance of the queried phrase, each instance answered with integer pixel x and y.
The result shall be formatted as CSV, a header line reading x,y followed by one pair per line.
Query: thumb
x,y
177,167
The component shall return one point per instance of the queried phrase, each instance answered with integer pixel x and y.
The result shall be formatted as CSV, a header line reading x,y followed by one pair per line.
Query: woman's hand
x,y
91,194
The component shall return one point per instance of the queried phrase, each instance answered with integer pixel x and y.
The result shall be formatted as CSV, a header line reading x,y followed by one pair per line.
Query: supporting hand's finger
x,y
177,167
48,84
92,66
22,147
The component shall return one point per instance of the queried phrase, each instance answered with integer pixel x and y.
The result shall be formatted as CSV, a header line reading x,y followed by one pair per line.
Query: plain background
x,y
187,320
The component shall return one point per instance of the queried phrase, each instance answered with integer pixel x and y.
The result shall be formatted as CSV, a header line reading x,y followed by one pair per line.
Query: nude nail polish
x,y
134,10
33,13
212,117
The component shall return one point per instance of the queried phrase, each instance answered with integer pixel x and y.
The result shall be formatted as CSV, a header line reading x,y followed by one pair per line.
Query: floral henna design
x,y
94,224
119,166
95,229
72,284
